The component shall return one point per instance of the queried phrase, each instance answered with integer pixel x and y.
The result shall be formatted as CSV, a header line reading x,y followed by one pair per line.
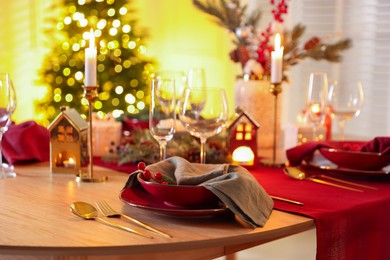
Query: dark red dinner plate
x,y
138,197
319,162
356,160
191,196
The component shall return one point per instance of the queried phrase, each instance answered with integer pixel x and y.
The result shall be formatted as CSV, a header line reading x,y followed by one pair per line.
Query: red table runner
x,y
350,225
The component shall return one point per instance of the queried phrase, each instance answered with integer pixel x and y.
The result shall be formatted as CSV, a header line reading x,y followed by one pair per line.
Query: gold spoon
x,y
87,211
297,174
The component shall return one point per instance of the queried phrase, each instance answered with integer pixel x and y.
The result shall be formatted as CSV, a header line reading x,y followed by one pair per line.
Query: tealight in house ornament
x,y
243,140
68,143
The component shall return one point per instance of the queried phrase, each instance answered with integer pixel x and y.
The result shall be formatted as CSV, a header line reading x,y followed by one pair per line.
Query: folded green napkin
x,y
232,184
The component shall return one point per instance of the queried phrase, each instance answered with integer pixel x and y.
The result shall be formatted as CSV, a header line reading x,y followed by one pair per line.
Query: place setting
x,y
346,158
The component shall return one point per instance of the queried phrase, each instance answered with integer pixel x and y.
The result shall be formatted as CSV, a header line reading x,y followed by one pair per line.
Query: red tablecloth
x,y
350,225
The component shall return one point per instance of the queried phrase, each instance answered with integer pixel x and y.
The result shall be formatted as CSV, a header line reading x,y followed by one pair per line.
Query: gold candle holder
x,y
90,94
275,89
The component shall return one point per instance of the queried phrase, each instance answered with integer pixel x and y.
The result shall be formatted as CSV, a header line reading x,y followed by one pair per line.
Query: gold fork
x,y
107,211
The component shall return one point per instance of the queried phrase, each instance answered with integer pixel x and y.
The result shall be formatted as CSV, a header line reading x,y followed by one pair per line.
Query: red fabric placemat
x,y
350,225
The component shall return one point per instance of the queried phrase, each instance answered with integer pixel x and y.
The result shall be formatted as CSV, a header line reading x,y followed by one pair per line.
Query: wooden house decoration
x,y
243,140
68,143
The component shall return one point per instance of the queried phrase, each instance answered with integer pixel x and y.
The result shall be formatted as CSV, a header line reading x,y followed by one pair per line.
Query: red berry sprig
x,y
157,177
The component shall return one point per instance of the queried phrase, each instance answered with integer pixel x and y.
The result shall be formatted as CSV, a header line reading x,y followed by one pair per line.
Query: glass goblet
x,y
178,76
196,78
162,112
203,113
6,107
345,101
317,92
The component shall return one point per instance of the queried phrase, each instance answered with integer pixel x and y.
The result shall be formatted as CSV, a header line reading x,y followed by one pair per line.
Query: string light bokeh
x,y
123,69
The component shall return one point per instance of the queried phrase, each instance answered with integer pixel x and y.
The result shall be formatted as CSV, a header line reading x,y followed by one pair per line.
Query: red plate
x,y
190,196
138,197
319,162
356,160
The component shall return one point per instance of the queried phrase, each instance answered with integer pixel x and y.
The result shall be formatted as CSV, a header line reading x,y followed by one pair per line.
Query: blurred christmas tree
x,y
123,69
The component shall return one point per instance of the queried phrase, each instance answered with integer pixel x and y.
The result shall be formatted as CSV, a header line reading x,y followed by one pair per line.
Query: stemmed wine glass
x,y
162,112
178,76
346,102
317,99
7,105
203,113
196,78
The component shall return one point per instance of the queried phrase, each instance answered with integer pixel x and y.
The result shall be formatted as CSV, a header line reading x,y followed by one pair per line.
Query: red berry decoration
x,y
147,175
141,166
158,176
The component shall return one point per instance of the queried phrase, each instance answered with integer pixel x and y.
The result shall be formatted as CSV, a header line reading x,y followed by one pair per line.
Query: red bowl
x,y
356,160
180,195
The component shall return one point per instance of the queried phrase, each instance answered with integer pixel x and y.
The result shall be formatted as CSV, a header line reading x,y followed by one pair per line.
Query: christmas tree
x,y
123,70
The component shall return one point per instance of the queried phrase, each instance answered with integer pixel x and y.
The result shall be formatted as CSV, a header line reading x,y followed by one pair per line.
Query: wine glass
x,y
317,99
196,78
8,167
178,76
203,113
346,102
6,106
162,112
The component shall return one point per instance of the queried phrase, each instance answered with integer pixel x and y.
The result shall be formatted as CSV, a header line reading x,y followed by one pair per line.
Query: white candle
x,y
277,61
90,61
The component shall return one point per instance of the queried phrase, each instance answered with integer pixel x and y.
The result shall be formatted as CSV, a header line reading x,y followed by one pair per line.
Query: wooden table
x,y
35,220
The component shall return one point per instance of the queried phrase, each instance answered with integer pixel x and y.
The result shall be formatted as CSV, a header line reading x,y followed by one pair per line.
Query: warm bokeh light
x,y
192,42
243,155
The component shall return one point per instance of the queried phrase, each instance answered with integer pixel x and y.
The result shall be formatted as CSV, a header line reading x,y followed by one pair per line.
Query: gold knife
x,y
347,182
287,200
332,184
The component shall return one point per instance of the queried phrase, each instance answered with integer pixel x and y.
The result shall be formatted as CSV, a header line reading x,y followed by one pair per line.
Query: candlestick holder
x,y
275,89
90,93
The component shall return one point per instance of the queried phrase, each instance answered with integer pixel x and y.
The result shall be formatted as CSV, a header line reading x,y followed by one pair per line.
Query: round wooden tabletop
x,y
35,219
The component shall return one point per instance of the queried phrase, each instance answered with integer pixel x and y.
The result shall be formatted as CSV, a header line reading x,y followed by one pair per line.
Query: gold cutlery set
x,y
298,174
89,212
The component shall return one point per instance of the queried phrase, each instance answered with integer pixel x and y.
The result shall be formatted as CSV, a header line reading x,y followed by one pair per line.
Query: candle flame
x,y
277,42
71,160
91,39
315,108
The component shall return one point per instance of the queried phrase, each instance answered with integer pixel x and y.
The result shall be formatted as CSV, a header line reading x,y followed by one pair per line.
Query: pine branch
x,y
228,17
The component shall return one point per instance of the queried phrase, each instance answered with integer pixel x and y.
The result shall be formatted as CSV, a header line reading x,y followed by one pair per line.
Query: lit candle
x,y
70,163
90,62
243,155
277,61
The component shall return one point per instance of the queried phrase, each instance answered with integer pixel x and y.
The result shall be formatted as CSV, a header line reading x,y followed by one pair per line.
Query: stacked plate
x,y
352,162
176,200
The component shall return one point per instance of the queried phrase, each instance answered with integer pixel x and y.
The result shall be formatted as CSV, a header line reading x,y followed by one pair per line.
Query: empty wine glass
x,y
9,169
162,112
6,107
203,113
317,99
346,102
178,76
196,78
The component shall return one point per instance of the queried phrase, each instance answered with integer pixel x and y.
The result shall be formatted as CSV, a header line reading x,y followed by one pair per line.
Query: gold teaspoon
x,y
87,211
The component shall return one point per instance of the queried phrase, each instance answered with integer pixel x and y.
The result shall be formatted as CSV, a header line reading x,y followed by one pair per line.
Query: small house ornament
x,y
243,140
68,143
